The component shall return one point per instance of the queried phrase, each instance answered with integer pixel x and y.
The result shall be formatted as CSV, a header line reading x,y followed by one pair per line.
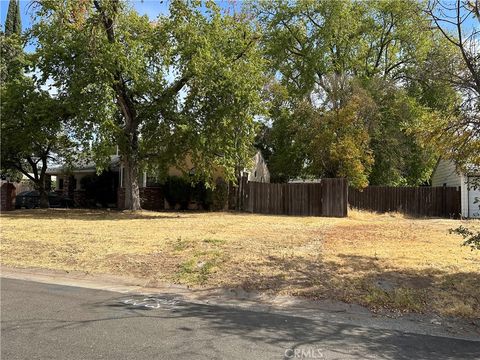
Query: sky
x,y
151,8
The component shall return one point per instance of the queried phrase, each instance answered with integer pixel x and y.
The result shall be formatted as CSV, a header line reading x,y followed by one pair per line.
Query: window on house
x,y
60,184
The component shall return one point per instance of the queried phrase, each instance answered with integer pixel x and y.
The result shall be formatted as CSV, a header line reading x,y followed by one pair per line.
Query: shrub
x,y
220,195
178,191
203,196
98,189
472,238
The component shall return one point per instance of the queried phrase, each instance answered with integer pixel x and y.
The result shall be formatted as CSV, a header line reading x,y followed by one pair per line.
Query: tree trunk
x,y
44,203
42,189
132,191
131,166
126,106
238,188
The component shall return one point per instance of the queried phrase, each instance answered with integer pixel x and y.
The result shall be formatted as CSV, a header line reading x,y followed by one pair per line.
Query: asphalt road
x,y
43,321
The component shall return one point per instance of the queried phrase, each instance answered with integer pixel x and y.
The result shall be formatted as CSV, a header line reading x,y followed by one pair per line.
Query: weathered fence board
x,y
326,198
417,201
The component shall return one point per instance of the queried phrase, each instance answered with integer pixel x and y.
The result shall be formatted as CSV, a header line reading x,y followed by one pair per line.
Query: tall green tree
x,y
307,141
458,135
13,22
323,52
340,143
282,141
33,132
11,56
187,83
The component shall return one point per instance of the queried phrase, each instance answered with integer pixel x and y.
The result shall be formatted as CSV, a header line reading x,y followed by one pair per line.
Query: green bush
x,y
178,191
98,189
220,195
203,196
471,237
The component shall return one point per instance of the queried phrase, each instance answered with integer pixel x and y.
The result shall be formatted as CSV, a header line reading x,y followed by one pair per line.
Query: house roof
x,y
88,166
82,166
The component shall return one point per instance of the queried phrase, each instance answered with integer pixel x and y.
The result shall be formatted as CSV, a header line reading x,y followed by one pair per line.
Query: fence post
x,y
444,200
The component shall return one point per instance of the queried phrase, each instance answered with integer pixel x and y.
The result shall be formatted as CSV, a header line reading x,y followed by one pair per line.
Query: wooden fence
x,y
326,198
416,201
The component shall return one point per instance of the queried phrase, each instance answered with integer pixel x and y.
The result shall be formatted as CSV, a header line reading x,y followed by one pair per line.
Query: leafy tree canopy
x,y
327,53
188,82
33,123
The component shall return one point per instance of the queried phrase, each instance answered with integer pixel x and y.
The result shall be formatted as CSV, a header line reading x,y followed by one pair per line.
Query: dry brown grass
x,y
382,261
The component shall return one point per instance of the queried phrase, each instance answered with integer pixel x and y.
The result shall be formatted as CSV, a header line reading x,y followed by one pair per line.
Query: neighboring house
x,y
447,174
73,182
108,188
259,172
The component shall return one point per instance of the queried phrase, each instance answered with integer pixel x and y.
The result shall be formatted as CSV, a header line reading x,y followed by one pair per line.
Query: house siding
x,y
473,208
446,174
259,172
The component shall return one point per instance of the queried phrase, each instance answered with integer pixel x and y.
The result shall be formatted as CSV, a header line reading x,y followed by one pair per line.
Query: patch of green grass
x,y
181,244
401,298
215,241
197,270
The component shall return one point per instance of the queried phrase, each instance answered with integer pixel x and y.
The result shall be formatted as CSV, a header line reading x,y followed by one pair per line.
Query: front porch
x,y
89,190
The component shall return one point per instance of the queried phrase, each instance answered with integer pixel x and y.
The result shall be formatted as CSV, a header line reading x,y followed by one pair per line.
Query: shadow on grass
x,y
356,279
93,214
366,281
115,214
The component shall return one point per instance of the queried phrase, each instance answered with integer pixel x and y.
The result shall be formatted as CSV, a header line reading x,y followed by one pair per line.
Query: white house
x,y
447,174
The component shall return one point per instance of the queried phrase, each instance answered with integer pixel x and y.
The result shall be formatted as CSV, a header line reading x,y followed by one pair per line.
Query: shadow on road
x,y
283,331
